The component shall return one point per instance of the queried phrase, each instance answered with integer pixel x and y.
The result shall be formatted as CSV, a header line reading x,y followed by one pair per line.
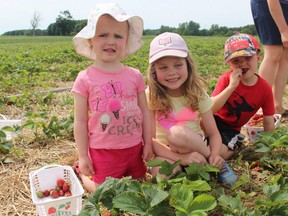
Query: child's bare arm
x,y
147,133
268,123
220,99
81,134
215,141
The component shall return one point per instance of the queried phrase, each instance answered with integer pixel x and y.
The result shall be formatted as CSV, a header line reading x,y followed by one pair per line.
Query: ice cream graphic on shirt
x,y
105,120
114,107
181,118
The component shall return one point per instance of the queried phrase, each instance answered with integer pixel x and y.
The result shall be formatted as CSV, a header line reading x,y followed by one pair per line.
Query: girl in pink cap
x,y
178,104
111,122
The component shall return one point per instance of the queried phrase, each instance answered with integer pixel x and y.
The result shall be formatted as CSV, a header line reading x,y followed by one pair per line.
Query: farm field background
x,y
38,63
31,67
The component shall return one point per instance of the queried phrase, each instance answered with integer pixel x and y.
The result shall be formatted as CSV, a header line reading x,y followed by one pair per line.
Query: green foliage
x,y
32,65
271,140
232,205
166,167
38,63
52,129
276,200
275,143
177,196
196,171
183,200
126,195
190,193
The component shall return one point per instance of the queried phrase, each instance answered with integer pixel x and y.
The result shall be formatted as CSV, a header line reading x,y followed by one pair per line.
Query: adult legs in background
x,y
280,82
274,69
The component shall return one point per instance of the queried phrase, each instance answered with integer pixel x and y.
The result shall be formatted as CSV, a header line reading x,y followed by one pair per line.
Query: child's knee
x,y
179,136
175,133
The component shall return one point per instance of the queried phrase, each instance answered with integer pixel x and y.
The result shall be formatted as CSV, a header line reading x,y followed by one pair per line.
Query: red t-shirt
x,y
244,102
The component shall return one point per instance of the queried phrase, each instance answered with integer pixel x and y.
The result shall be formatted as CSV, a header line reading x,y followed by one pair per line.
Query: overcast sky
x,y
17,14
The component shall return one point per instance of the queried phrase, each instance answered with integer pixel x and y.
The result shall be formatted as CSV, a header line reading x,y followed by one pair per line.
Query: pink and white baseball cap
x,y
134,42
167,44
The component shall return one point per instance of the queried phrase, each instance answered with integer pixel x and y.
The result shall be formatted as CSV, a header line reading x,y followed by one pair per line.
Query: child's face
x,y
248,65
109,42
172,73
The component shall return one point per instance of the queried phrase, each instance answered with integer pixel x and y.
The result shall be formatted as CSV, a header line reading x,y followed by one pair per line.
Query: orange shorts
x,y
117,163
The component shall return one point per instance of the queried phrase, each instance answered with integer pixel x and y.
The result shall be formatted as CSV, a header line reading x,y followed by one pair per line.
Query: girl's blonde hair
x,y
193,89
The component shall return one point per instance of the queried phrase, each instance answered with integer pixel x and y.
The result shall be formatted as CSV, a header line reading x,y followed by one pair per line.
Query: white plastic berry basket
x,y
8,122
45,178
253,132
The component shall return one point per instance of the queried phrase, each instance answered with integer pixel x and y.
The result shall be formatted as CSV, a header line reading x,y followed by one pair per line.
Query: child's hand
x,y
193,157
216,160
147,153
86,166
235,77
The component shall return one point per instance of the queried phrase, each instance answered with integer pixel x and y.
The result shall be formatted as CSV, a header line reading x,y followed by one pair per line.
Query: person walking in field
x,y
177,102
240,92
271,21
111,120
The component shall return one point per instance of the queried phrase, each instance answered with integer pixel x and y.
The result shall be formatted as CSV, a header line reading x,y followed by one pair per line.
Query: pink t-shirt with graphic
x,y
115,119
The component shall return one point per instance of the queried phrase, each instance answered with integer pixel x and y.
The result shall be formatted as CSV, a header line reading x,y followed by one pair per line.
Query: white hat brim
x,y
134,42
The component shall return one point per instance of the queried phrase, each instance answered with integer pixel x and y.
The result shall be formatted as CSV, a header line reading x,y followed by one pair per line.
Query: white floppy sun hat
x,y
134,42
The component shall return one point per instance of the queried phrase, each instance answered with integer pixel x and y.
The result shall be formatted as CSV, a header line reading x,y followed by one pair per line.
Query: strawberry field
x,y
36,76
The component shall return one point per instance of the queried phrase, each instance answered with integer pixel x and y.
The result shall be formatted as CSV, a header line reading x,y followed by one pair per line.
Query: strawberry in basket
x,y
257,120
62,188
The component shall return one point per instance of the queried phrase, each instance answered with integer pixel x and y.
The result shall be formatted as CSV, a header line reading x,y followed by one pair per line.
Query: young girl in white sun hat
x,y
111,118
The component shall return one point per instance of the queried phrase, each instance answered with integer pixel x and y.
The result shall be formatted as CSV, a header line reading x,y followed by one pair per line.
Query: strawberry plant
x,y
271,140
275,143
178,195
54,128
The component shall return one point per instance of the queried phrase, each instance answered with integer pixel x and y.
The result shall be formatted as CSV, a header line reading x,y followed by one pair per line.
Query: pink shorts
x,y
117,163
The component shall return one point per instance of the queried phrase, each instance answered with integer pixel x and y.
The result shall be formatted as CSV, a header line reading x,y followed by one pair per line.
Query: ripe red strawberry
x,y
68,193
65,187
46,193
61,193
107,214
54,193
60,182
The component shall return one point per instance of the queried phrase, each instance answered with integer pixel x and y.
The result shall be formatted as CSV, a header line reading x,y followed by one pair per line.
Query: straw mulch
x,y
15,195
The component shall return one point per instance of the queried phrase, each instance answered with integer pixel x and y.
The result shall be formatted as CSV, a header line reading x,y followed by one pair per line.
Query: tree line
x,y
65,25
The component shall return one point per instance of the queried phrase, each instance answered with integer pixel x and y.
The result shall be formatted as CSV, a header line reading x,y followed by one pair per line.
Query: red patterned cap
x,y
240,45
